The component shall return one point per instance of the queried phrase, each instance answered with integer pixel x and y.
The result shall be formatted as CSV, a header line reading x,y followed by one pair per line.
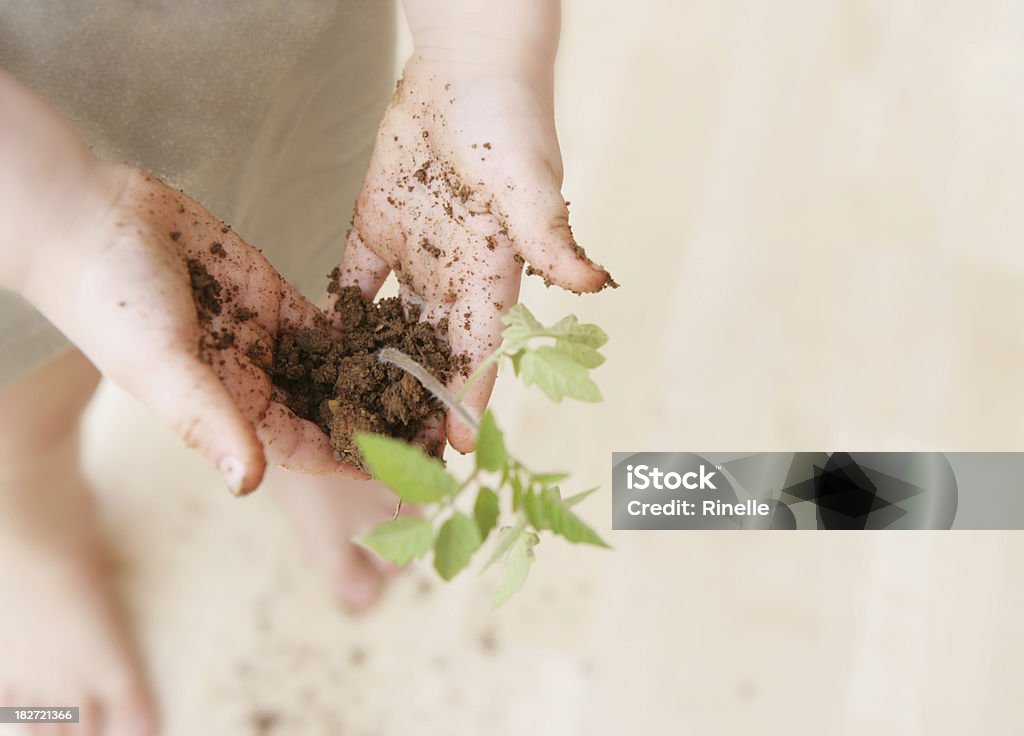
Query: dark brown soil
x,y
334,379
205,290
337,382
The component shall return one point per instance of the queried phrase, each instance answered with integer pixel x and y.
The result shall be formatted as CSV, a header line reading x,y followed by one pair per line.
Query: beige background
x,y
814,210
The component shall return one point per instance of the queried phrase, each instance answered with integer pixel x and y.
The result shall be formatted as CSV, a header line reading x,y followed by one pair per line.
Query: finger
x,y
361,267
385,568
412,301
357,584
187,394
226,330
474,330
251,285
431,436
248,386
298,445
262,287
537,219
288,440
296,311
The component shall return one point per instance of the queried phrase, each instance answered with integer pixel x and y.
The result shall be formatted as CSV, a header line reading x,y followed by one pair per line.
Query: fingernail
x,y
233,472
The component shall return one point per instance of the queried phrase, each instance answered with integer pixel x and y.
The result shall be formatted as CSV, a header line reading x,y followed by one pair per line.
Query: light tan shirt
x,y
264,112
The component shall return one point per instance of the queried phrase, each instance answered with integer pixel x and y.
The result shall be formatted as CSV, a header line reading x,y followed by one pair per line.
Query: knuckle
x,y
189,429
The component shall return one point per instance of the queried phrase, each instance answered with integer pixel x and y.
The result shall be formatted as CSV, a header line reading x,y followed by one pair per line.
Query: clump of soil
x,y
205,290
334,379
337,382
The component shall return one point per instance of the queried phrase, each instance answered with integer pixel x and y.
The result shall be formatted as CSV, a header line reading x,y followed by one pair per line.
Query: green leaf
x,y
520,326
516,358
569,329
559,519
573,500
547,479
585,355
563,326
399,540
485,511
513,574
558,375
414,475
456,542
506,537
490,445
536,512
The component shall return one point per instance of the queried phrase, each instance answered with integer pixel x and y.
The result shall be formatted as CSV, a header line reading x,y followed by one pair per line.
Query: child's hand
x,y
177,309
464,185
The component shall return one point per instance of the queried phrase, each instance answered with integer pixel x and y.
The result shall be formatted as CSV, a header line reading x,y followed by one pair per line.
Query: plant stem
x,y
465,484
421,374
446,397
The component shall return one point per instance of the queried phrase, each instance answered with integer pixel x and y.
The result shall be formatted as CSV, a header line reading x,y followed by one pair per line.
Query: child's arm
x,y
110,255
465,180
50,182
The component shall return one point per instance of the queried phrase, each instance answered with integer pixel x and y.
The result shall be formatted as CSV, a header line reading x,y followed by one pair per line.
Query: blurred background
x,y
813,208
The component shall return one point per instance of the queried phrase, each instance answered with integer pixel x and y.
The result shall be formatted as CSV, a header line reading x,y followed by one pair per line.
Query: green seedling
x,y
513,503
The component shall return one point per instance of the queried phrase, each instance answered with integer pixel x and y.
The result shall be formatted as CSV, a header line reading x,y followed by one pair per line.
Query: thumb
x,y
537,219
187,395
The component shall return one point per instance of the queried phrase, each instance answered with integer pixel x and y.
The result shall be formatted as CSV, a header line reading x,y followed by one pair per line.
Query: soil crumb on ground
x,y
337,382
265,722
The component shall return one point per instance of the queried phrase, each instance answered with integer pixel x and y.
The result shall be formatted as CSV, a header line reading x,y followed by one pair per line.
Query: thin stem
x,y
407,364
515,462
465,484
421,374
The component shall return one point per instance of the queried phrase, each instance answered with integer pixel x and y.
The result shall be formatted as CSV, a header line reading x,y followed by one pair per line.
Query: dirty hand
x,y
172,305
111,256
463,187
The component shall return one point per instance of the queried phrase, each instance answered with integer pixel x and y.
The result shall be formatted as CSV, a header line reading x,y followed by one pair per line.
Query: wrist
x,y
519,56
518,38
72,221
51,185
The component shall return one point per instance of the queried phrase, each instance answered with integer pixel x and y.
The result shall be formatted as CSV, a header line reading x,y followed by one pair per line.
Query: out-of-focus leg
x,y
63,638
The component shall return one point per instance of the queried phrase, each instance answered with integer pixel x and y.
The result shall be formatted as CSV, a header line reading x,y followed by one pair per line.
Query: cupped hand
x,y
464,187
172,305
